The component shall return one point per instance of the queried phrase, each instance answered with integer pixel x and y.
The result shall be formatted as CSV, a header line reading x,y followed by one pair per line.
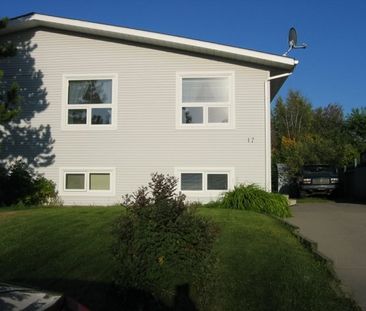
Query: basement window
x,y
200,181
88,181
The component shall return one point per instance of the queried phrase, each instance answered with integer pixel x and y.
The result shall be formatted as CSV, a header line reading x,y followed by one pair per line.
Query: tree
x,y
303,135
9,96
329,120
293,117
333,145
291,121
356,127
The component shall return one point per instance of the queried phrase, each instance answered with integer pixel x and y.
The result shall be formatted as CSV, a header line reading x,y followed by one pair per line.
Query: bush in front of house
x,y
254,198
20,184
161,243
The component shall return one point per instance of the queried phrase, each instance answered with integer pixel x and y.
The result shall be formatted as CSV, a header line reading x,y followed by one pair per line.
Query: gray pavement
x,y
340,231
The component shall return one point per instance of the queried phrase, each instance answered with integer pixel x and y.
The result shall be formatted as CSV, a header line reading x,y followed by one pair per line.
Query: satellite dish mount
x,y
292,41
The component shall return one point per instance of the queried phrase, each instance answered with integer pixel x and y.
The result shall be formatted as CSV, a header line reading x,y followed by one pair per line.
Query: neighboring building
x,y
105,106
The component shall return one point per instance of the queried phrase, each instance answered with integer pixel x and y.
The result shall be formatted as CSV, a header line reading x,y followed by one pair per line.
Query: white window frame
x,y
88,126
205,171
87,171
205,125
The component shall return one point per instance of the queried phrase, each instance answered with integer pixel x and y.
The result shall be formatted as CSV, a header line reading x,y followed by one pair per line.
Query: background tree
x,y
303,135
291,120
292,117
9,97
356,127
333,144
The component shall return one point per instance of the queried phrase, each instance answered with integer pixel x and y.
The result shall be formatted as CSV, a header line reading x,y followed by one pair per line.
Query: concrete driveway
x,y
340,231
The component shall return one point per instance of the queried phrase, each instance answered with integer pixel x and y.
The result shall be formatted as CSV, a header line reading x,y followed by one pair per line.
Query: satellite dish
x,y
292,41
292,37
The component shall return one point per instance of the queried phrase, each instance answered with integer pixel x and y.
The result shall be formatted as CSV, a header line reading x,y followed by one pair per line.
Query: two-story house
x,y
105,106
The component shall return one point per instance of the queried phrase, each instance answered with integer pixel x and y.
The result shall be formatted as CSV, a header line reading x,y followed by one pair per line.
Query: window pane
x,y
76,116
99,181
218,114
217,182
101,115
205,90
90,92
75,181
191,181
192,115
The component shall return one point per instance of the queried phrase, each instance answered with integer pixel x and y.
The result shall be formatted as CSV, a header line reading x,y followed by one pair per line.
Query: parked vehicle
x,y
19,298
318,179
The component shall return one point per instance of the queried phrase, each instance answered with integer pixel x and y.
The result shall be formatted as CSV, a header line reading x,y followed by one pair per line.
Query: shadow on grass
x,y
98,296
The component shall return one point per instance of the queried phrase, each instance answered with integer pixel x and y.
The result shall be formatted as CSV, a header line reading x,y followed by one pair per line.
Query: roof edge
x,y
33,19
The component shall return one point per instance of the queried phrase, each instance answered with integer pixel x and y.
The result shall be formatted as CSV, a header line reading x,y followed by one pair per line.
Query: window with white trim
x,y
88,180
90,101
198,181
205,100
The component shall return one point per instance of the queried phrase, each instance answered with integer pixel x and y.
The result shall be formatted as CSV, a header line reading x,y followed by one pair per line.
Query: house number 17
x,y
250,140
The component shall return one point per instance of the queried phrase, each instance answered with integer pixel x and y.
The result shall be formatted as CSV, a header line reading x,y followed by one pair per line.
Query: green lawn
x,y
261,265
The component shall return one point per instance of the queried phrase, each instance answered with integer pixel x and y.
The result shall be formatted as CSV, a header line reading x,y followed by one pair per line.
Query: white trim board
x,y
32,20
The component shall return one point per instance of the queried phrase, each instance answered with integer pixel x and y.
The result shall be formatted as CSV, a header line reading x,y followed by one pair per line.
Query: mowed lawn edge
x,y
261,265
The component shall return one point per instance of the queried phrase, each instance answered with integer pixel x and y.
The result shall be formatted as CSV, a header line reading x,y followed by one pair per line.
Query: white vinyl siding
x,y
145,139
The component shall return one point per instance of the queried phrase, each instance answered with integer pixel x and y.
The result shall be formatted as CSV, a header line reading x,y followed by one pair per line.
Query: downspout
x,y
267,112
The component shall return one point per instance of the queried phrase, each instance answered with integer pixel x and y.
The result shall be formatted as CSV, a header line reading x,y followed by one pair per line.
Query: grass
x,y
261,265
59,249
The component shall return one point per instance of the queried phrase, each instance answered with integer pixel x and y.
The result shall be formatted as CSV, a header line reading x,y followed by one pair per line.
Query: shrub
x,y
161,243
19,184
253,198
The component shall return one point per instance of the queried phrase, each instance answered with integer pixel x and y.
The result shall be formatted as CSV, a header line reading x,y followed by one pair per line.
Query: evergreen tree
x,y
9,95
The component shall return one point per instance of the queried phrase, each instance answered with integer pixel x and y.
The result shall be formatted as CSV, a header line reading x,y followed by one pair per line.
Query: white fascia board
x,y
146,37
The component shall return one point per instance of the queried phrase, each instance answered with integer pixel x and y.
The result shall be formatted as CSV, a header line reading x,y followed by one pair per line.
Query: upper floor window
x,y
90,101
205,100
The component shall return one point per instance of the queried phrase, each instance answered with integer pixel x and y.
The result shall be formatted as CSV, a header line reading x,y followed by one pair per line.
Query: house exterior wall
x,y
146,139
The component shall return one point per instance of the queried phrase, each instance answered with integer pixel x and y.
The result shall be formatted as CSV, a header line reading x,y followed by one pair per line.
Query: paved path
x,y
340,230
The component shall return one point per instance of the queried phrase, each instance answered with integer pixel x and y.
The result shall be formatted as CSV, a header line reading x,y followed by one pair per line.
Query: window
x,y
191,181
217,181
90,101
86,181
205,100
75,182
200,181
99,181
